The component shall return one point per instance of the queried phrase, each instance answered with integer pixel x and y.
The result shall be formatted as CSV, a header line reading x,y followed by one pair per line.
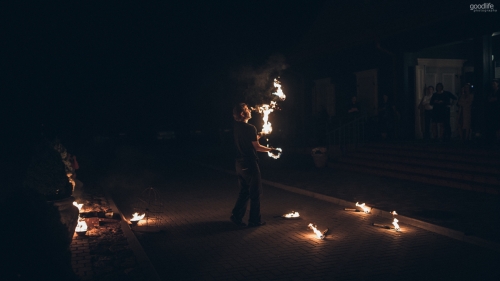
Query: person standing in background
x,y
464,116
426,107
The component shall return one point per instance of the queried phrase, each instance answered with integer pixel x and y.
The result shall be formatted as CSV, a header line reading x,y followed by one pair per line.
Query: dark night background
x,y
94,67
81,69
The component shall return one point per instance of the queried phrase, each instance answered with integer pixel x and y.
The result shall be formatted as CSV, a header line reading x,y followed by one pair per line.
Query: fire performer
x,y
247,167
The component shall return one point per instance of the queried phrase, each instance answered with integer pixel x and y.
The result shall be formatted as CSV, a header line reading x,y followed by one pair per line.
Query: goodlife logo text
x,y
485,7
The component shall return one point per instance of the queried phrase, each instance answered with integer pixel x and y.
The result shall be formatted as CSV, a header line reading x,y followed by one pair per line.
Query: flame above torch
x,y
279,92
265,109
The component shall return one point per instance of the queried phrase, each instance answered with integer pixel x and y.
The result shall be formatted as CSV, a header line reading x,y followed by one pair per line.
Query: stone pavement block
x,y
199,241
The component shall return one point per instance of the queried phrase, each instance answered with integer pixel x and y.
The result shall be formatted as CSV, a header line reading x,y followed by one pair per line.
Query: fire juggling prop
x,y
79,206
265,110
319,234
275,156
136,218
81,227
394,223
366,209
279,92
292,215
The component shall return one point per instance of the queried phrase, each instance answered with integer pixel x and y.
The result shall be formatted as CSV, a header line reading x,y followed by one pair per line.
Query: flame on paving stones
x,y
317,232
79,206
366,209
81,226
293,214
137,217
396,225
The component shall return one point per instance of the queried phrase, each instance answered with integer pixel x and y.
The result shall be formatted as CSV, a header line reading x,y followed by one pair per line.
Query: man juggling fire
x,y
247,167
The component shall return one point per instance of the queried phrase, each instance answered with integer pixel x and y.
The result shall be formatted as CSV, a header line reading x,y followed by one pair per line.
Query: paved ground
x,y
197,241
469,212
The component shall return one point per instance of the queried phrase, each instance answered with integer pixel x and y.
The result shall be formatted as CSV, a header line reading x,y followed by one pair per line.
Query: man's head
x,y
494,84
439,87
241,112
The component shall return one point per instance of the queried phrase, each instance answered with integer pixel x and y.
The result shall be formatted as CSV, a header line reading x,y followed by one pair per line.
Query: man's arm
x,y
260,148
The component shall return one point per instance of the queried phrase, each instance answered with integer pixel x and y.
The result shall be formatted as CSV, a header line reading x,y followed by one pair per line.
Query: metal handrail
x,y
347,136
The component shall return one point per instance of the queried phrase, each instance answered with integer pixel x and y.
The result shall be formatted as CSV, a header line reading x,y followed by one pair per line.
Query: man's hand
x,y
274,151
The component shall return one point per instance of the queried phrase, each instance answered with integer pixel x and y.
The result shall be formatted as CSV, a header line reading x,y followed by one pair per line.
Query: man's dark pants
x,y
250,183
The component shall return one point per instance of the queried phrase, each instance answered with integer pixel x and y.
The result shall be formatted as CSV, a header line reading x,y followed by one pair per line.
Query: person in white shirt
x,y
427,108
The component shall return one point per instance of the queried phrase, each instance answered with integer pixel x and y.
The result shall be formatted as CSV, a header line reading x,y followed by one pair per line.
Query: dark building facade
x,y
371,48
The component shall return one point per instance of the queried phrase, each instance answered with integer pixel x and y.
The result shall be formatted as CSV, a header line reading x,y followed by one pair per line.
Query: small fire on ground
x,y
79,206
293,214
396,225
81,226
319,234
366,209
137,217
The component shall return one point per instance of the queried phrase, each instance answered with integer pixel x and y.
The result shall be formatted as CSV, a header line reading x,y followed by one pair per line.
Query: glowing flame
x,y
395,223
136,217
316,231
265,109
279,92
81,226
293,214
275,156
362,206
79,206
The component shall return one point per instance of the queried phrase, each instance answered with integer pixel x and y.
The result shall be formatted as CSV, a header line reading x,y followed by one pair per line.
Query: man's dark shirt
x,y
244,135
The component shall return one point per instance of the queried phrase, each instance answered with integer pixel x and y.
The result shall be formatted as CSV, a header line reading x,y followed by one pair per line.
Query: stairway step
x,y
434,163
466,185
492,161
425,171
449,148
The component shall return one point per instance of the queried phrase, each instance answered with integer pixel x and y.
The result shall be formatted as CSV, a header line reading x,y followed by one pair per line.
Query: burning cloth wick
x,y
394,222
275,156
265,110
81,226
279,92
320,235
136,217
396,225
293,214
362,206
79,206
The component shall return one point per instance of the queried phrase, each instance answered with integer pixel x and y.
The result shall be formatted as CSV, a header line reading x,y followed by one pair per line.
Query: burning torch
x,y
265,110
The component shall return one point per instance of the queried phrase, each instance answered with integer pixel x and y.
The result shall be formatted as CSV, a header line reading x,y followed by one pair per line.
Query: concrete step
x,y
450,174
482,159
450,148
466,167
439,181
